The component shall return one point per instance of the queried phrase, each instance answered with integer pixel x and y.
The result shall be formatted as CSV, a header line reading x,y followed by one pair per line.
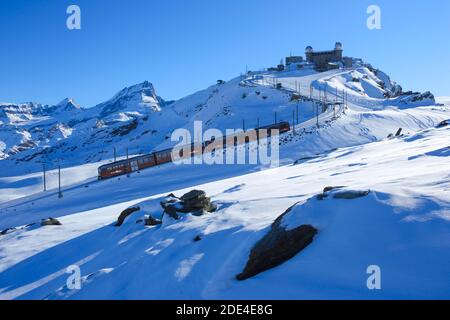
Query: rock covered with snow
x,y
414,98
50,222
277,246
151,212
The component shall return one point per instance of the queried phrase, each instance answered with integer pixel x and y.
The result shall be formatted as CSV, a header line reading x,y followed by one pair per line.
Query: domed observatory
x,y
309,54
338,51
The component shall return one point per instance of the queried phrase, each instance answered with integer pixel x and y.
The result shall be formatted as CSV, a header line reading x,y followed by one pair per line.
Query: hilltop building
x,y
320,60
294,62
325,60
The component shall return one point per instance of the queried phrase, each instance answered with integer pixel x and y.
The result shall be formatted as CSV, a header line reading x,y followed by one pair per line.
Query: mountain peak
x,y
144,89
140,97
67,104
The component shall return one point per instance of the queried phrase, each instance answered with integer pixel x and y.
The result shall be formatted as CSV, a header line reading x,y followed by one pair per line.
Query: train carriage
x,y
127,166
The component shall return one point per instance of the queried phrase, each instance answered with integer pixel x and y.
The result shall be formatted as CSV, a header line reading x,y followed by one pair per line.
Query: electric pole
x,y
114,154
45,182
59,182
293,121
317,114
317,108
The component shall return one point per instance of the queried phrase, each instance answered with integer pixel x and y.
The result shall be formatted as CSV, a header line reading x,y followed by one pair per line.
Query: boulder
x,y
50,222
153,210
443,124
193,195
327,190
125,213
171,211
339,193
195,202
151,221
350,194
276,247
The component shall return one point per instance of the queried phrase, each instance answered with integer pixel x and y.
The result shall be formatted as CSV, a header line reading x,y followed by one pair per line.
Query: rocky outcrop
x,y
125,213
350,194
195,202
415,97
7,230
327,190
276,247
50,222
125,129
443,124
151,221
338,192
287,236
397,134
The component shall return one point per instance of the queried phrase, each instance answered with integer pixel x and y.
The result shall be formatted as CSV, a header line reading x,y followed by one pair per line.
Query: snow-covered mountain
x,y
66,132
399,221
138,121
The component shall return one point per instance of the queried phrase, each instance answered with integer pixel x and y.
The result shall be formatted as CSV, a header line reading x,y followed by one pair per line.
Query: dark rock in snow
x,y
326,190
151,221
171,211
338,193
412,97
276,247
125,213
193,195
6,231
170,199
195,202
9,230
397,134
443,124
50,222
350,194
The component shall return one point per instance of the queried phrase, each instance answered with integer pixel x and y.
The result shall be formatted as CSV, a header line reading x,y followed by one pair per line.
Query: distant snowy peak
x,y
11,113
139,98
68,104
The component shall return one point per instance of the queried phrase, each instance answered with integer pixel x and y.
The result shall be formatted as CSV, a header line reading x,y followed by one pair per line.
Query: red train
x,y
126,166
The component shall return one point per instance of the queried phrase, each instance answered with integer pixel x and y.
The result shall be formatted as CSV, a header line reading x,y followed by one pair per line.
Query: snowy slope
x,y
138,120
402,225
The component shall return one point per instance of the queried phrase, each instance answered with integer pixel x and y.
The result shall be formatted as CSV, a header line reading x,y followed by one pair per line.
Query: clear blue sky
x,y
182,46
